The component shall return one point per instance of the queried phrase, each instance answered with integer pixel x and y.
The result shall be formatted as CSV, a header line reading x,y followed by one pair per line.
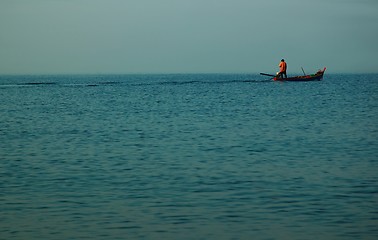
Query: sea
x,y
188,156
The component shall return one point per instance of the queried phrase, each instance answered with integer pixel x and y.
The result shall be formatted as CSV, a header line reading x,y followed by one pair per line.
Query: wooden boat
x,y
313,77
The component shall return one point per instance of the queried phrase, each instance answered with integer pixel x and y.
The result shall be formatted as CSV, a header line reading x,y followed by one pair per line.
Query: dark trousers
x,y
282,74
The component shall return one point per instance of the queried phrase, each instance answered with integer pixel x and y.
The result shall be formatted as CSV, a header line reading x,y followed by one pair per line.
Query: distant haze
x,y
187,36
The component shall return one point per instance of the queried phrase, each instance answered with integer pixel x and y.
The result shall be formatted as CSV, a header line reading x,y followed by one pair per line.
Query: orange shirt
x,y
282,66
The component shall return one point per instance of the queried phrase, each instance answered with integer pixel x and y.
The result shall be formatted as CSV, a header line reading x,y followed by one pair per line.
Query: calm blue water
x,y
188,157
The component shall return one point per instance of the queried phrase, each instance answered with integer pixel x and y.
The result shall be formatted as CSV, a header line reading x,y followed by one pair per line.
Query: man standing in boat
x,y
283,67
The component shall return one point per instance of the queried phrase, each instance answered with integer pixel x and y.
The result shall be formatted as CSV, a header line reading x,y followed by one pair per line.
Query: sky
x,y
187,36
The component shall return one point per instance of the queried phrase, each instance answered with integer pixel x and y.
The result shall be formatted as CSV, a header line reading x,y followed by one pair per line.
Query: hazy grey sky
x,y
187,36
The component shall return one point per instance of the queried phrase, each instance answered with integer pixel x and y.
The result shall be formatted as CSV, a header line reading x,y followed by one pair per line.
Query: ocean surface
x,y
188,156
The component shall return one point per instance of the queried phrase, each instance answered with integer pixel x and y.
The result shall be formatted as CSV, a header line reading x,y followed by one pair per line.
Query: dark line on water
x,y
151,83
200,82
38,83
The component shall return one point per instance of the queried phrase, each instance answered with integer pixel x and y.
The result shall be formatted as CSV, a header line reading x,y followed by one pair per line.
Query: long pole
x,y
303,71
265,74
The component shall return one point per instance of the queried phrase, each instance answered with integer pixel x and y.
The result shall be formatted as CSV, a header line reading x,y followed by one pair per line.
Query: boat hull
x,y
313,77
